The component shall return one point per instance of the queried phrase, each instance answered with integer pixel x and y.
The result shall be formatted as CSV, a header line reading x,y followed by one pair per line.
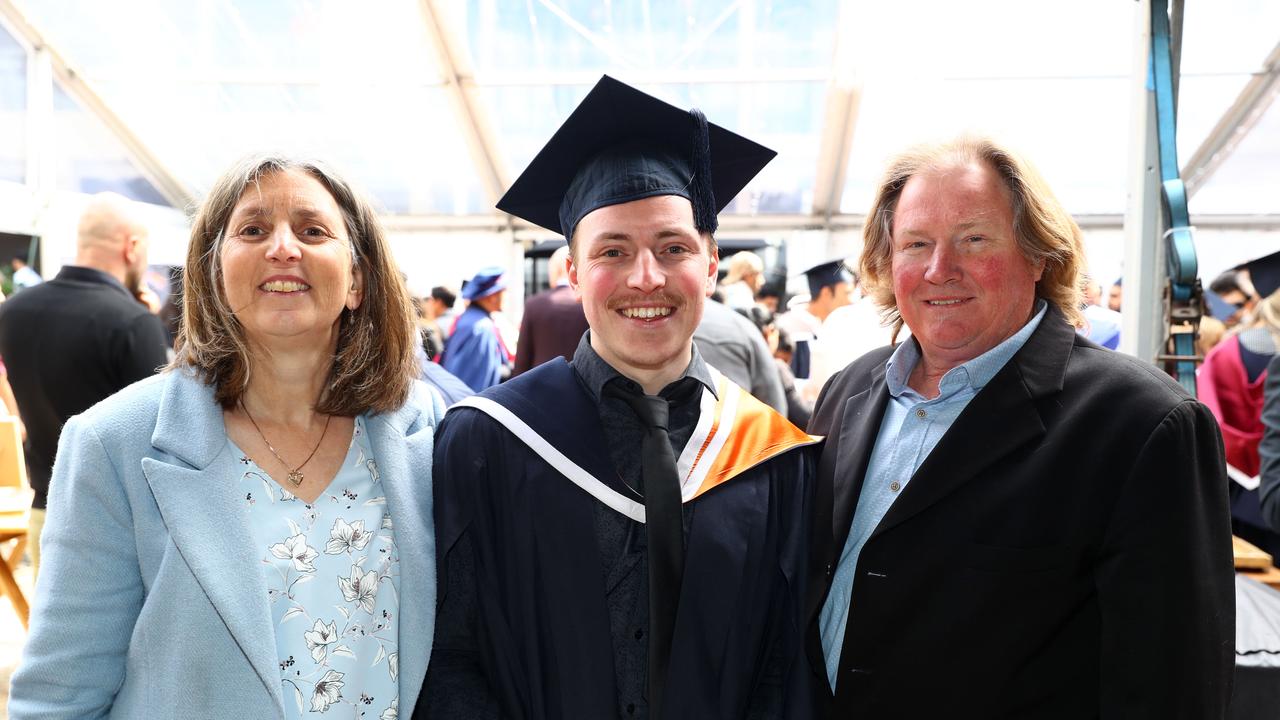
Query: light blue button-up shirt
x,y
911,428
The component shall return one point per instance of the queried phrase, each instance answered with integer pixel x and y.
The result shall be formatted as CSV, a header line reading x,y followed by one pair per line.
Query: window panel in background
x,y
13,109
205,82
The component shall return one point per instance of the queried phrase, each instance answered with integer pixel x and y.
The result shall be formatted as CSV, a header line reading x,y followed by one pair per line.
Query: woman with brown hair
x,y
223,540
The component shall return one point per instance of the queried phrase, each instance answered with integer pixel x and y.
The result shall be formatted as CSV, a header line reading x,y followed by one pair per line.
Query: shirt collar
x,y
975,373
596,373
87,274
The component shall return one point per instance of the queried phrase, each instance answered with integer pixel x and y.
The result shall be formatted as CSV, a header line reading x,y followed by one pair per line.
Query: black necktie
x,y
664,529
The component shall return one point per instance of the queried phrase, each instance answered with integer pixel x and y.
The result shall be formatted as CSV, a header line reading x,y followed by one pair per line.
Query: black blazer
x,y
67,344
1064,551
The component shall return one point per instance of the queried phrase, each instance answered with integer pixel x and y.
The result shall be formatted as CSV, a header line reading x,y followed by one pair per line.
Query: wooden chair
x,y
15,500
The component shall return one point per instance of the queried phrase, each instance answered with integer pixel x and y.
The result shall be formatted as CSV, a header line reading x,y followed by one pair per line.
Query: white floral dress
x,y
333,577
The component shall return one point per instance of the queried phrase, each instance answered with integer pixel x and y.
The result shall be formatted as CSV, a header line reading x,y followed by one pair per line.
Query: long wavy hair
x,y
1044,231
374,363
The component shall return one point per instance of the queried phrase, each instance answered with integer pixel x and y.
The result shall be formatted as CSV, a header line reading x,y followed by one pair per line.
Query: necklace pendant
x,y
295,477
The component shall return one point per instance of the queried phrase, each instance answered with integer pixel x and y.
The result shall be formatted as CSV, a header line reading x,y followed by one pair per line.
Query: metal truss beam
x,y
1235,124
461,87
173,190
661,76
844,97
833,149
737,224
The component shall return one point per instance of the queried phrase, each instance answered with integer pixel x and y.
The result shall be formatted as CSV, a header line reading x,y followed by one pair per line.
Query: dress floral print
x,y
332,573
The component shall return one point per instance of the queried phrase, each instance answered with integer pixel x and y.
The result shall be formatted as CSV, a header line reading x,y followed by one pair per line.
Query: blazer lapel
x,y
402,448
194,488
859,428
999,419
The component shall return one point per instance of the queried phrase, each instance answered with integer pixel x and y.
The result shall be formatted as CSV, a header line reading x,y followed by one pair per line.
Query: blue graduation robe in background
x,y
523,628
475,353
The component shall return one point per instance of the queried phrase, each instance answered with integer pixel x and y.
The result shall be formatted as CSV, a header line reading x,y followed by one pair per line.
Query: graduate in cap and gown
x,y
475,352
627,534
830,287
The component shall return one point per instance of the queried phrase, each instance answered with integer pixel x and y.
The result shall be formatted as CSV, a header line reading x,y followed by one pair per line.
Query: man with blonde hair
x,y
745,277
80,337
1024,524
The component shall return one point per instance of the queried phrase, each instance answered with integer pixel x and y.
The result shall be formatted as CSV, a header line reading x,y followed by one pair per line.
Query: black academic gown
x,y
523,629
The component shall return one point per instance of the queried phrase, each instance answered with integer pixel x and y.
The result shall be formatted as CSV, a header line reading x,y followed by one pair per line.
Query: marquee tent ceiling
x,y
435,105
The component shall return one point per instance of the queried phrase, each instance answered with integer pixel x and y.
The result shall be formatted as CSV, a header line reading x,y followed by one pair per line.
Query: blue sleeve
x,y
474,356
89,592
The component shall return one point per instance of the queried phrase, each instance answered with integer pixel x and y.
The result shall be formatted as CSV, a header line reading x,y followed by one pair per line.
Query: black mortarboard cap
x,y
620,145
1264,273
827,274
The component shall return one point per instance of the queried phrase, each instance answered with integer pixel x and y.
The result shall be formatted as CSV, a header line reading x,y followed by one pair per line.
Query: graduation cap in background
x,y
620,145
827,274
1264,272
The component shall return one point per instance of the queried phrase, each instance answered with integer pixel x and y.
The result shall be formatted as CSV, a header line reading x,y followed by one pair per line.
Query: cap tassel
x,y
704,199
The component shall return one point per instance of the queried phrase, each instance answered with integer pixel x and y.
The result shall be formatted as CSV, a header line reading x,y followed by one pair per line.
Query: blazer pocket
x,y
997,558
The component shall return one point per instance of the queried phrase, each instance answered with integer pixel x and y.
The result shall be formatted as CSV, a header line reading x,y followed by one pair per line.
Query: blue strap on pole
x,y
1183,301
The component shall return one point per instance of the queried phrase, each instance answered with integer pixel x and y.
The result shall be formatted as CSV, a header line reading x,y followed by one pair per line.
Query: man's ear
x,y
131,250
571,268
1039,268
713,267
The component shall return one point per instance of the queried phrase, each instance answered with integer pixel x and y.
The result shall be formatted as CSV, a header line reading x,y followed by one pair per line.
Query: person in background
x,y
848,332
1115,295
475,352
798,410
429,331
731,343
451,389
440,307
70,342
9,403
225,540
1236,290
830,286
624,535
1010,541
435,319
24,276
1101,325
1212,331
744,279
769,298
553,320
1230,382
1269,447
785,348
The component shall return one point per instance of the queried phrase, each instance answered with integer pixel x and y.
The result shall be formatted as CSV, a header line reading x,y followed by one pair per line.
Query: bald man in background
x,y
80,337
553,320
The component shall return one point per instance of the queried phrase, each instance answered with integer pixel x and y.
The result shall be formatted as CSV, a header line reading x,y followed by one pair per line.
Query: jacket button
x,y
830,570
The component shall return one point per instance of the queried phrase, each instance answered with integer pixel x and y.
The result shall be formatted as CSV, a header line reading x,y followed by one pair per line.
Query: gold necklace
x,y
295,475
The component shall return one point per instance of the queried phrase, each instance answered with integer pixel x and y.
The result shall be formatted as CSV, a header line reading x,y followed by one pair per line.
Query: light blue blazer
x,y
150,603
